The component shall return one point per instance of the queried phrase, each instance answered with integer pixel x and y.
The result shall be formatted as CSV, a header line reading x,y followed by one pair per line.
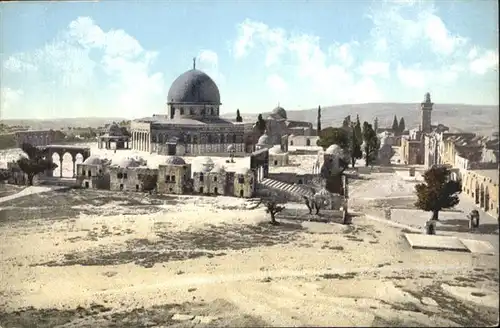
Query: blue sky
x,y
118,58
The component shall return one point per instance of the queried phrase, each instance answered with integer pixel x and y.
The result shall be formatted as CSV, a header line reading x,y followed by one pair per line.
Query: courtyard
x,y
85,258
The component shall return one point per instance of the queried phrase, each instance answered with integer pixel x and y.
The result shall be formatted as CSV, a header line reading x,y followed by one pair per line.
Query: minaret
x,y
194,62
426,115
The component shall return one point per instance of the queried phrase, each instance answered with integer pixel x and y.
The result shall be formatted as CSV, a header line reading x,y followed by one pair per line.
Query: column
x,y
74,167
60,166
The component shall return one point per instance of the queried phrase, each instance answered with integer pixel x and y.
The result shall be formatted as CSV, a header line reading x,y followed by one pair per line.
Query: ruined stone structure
x,y
113,136
92,173
174,176
61,150
34,137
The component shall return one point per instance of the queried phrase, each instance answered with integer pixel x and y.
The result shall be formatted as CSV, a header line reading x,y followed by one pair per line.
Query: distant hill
x,y
479,119
61,123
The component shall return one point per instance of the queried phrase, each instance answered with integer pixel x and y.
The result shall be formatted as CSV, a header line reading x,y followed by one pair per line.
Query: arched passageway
x,y
486,199
481,198
476,193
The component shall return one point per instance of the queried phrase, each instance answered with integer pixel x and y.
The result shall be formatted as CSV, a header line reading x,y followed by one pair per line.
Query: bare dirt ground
x,y
81,258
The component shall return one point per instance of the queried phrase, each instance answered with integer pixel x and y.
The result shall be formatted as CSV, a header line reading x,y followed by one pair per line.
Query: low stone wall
x,y
292,177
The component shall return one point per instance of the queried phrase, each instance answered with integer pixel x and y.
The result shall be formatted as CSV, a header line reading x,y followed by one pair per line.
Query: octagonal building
x,y
191,124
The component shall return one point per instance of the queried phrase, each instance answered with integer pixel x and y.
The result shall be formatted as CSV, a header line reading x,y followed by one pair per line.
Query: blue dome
x,y
194,87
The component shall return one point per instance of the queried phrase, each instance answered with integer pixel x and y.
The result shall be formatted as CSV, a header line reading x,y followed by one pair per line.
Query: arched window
x,y
234,138
222,139
191,111
188,138
211,111
209,138
181,111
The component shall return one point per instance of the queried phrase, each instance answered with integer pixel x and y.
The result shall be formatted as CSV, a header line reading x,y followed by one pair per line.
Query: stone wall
x,y
128,179
92,176
293,177
173,179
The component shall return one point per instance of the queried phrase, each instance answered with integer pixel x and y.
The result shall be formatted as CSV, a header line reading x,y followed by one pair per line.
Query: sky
x,y
119,58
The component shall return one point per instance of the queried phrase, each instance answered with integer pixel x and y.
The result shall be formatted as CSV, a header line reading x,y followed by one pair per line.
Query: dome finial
x,y
194,62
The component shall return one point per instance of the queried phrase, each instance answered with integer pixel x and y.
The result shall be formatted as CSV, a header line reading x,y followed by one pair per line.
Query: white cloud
x,y
326,74
411,77
374,68
9,99
209,62
17,65
485,63
276,83
75,61
408,24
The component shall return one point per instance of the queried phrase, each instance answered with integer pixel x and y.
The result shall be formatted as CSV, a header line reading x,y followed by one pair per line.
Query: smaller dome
x,y
276,150
126,163
205,160
114,130
242,170
334,150
218,169
174,160
263,140
93,160
279,112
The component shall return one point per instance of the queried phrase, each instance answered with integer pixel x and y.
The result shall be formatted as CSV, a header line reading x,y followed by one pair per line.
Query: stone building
x,y
93,173
113,138
174,176
277,157
482,187
35,137
126,174
211,179
302,141
192,125
244,182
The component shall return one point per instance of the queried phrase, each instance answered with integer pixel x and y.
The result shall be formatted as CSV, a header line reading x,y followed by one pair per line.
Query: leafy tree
x,y
371,142
358,130
149,182
438,191
238,116
273,202
318,124
355,142
37,161
401,126
395,125
333,136
261,124
125,131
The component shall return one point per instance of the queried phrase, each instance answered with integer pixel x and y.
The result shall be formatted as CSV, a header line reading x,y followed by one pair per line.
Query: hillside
x,y
480,119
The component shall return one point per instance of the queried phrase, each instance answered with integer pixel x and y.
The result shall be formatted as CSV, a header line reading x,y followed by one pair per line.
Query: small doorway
x,y
216,191
136,187
171,149
121,186
86,184
201,190
241,193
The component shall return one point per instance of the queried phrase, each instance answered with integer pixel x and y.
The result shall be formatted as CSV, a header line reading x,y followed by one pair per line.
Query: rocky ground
x,y
80,258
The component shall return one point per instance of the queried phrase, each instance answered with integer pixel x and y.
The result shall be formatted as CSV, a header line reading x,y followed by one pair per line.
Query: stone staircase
x,y
293,192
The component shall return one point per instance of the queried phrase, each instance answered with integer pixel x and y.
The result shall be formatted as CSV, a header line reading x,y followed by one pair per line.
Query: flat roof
x,y
491,173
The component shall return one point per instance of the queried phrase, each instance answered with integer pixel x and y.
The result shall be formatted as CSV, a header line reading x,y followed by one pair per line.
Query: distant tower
x,y
426,115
